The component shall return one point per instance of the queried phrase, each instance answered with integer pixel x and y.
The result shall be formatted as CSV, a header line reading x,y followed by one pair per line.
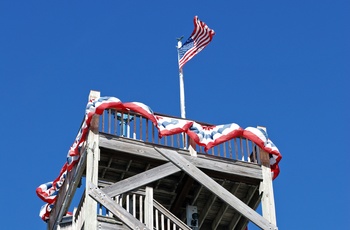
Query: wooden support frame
x,y
70,186
149,207
207,207
224,207
184,190
170,215
127,218
253,203
215,188
249,173
93,156
174,161
141,179
234,224
266,187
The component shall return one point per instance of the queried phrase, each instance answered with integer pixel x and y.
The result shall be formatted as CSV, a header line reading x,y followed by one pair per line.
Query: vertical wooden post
x,y
149,208
93,155
266,187
192,147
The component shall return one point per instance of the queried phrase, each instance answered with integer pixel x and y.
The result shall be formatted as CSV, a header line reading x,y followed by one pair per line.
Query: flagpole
x,y
182,87
182,94
182,90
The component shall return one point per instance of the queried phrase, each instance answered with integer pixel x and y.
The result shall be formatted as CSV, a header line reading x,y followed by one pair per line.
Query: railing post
x,y
149,207
192,147
266,187
92,168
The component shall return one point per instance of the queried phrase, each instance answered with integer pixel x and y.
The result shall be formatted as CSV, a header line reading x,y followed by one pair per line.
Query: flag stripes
x,y
199,39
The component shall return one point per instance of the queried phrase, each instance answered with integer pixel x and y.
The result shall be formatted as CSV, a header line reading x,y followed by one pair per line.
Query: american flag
x,y
199,39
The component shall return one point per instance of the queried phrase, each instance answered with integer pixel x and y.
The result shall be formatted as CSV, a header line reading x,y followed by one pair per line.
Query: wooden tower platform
x,y
135,180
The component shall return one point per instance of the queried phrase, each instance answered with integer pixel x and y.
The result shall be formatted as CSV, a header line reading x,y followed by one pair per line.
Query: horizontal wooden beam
x,y
246,172
216,188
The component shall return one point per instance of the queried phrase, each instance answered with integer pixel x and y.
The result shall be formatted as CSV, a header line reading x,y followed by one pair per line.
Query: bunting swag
x,y
168,126
206,136
214,135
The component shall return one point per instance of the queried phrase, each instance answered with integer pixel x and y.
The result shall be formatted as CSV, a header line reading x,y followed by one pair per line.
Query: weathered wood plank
x,y
182,193
110,223
223,208
266,189
207,207
67,192
93,155
140,179
235,220
214,187
254,203
99,196
149,207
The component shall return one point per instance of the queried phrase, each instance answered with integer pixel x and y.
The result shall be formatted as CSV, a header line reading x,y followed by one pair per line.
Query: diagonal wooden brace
x,y
215,188
128,219
141,179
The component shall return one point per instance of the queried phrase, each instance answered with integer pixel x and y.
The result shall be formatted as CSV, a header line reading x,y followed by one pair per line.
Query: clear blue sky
x,y
283,65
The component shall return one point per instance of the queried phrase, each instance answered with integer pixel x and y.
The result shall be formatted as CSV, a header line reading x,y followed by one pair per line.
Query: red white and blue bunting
x,y
205,136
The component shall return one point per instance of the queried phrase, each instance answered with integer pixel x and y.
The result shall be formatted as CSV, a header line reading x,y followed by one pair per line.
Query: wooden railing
x,y
135,204
135,126
79,214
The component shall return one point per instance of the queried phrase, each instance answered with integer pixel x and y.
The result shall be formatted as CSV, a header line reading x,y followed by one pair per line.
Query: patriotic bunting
x,y
142,109
48,191
257,135
214,135
45,211
207,136
169,126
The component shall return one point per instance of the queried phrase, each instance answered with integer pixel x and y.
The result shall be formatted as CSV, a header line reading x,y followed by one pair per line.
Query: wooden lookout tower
x,y
133,179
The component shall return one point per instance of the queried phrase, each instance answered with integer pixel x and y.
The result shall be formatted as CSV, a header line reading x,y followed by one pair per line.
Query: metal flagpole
x,y
182,91
182,88
182,94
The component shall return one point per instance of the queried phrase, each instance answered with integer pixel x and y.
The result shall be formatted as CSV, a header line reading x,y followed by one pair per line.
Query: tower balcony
x,y
136,177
